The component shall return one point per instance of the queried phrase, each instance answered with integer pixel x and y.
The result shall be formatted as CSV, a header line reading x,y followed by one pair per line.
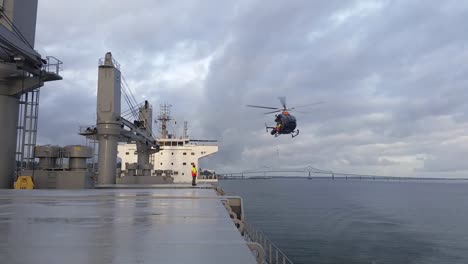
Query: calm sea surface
x,y
360,221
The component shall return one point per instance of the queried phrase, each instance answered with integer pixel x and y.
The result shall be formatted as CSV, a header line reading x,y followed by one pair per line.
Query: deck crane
x,y
22,72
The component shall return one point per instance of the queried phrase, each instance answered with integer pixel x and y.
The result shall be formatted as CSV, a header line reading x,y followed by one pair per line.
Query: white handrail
x,y
273,255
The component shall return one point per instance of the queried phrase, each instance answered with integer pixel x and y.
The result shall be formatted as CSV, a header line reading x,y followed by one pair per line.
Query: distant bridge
x,y
263,171
311,173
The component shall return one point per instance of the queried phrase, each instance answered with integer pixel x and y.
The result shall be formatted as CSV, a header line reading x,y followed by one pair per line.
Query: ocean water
x,y
360,221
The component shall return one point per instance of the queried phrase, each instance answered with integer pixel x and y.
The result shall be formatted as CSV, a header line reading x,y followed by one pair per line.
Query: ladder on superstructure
x,y
93,143
27,130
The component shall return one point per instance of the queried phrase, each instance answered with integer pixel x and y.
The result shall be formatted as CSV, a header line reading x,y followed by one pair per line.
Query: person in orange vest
x,y
278,127
194,174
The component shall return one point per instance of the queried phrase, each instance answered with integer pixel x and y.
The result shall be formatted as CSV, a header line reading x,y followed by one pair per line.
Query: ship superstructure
x,y
176,154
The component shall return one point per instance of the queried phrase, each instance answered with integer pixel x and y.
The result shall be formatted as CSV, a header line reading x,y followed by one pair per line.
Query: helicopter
x,y
285,122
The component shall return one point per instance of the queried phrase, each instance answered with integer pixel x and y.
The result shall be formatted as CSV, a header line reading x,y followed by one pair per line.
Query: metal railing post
x,y
257,236
270,252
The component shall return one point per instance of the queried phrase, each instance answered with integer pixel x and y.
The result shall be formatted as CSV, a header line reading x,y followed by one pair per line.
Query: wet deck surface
x,y
183,225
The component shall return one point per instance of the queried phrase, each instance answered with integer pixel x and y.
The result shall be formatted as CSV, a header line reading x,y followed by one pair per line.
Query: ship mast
x,y
185,129
164,117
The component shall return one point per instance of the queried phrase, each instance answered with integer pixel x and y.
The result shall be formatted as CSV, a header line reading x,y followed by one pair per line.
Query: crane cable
x,y
21,37
129,98
130,90
15,29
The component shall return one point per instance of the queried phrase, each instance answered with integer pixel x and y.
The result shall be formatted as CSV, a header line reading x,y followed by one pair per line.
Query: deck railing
x,y
52,65
273,255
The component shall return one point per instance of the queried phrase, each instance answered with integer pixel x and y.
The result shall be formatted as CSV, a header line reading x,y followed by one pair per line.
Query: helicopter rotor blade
x,y
283,101
265,107
300,106
276,111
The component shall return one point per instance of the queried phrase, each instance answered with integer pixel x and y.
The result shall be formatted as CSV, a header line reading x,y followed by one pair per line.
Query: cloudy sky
x,y
393,75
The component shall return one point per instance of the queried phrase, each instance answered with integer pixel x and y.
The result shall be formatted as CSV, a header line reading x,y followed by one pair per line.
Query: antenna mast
x,y
164,118
185,129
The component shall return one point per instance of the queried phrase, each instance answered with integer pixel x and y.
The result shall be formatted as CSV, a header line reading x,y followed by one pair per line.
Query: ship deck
x,y
124,225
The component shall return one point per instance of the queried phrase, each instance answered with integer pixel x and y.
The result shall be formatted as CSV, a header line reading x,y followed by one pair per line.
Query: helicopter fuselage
x,y
285,124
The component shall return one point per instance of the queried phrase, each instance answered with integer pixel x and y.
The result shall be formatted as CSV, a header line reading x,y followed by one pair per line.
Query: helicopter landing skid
x,y
273,131
267,127
295,133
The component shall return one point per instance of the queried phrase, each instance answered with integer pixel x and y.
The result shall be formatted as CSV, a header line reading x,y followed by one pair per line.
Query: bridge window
x,y
161,163
185,163
127,153
172,153
172,163
184,153
193,153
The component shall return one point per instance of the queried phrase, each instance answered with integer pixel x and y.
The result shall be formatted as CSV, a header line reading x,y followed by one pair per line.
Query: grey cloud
x,y
64,107
389,44
393,74
448,162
